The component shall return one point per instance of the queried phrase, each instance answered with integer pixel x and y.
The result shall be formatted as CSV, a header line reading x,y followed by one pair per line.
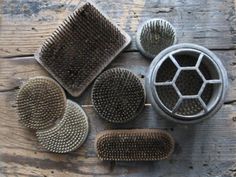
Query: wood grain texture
x,y
26,23
204,150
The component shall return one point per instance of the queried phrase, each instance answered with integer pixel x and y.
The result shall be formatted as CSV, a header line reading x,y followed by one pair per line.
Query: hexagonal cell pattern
x,y
184,59
208,69
189,107
167,95
209,91
189,82
166,72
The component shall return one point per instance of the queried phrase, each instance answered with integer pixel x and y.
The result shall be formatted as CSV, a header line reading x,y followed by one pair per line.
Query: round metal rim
x,y
158,61
138,34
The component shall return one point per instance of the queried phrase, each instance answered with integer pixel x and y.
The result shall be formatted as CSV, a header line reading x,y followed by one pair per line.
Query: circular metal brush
x,y
118,95
40,102
134,145
69,133
187,83
155,35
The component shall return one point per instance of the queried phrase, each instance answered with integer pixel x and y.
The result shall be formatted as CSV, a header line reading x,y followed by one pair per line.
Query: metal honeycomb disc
x,y
40,102
77,52
118,95
155,35
187,83
134,145
69,133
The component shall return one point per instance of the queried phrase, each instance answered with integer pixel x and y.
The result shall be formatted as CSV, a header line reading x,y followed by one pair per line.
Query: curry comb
x,y
118,95
134,145
81,47
69,133
40,102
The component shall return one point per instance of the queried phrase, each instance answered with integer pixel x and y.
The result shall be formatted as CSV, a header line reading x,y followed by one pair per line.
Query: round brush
x,y
155,35
69,133
40,102
118,95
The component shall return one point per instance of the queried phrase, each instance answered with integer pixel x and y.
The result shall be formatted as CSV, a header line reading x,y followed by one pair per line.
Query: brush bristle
x,y
81,48
118,95
134,145
68,134
40,102
154,36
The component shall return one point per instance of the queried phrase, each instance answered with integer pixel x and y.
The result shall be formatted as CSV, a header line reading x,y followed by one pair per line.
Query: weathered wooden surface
x,y
204,150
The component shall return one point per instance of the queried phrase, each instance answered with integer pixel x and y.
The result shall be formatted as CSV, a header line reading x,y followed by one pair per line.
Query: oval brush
x,y
134,145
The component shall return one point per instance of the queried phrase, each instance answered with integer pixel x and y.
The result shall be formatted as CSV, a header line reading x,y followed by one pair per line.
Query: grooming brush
x,y
155,35
81,48
186,83
118,95
134,145
68,134
40,102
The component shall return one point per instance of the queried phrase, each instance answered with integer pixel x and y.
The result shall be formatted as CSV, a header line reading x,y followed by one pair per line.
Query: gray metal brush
x,y
118,95
155,35
134,145
40,102
69,133
81,48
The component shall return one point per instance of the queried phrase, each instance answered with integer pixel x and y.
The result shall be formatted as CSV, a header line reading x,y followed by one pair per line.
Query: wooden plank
x,y
14,71
206,149
26,23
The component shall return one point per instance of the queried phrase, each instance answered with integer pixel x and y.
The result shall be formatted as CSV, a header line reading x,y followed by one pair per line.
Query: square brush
x,y
77,52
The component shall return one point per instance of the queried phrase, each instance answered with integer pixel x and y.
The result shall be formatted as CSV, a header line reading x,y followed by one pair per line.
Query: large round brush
x,y
134,145
155,35
118,95
69,133
40,102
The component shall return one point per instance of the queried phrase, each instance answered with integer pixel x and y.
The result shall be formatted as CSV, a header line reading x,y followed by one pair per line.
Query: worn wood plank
x,y
206,149
14,71
26,23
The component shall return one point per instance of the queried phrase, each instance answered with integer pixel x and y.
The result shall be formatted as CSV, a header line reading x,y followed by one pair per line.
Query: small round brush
x,y
134,145
69,133
155,35
40,102
118,95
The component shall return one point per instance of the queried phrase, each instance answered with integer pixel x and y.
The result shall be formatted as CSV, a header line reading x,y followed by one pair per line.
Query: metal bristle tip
x,y
118,95
155,35
69,133
81,48
40,102
134,145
